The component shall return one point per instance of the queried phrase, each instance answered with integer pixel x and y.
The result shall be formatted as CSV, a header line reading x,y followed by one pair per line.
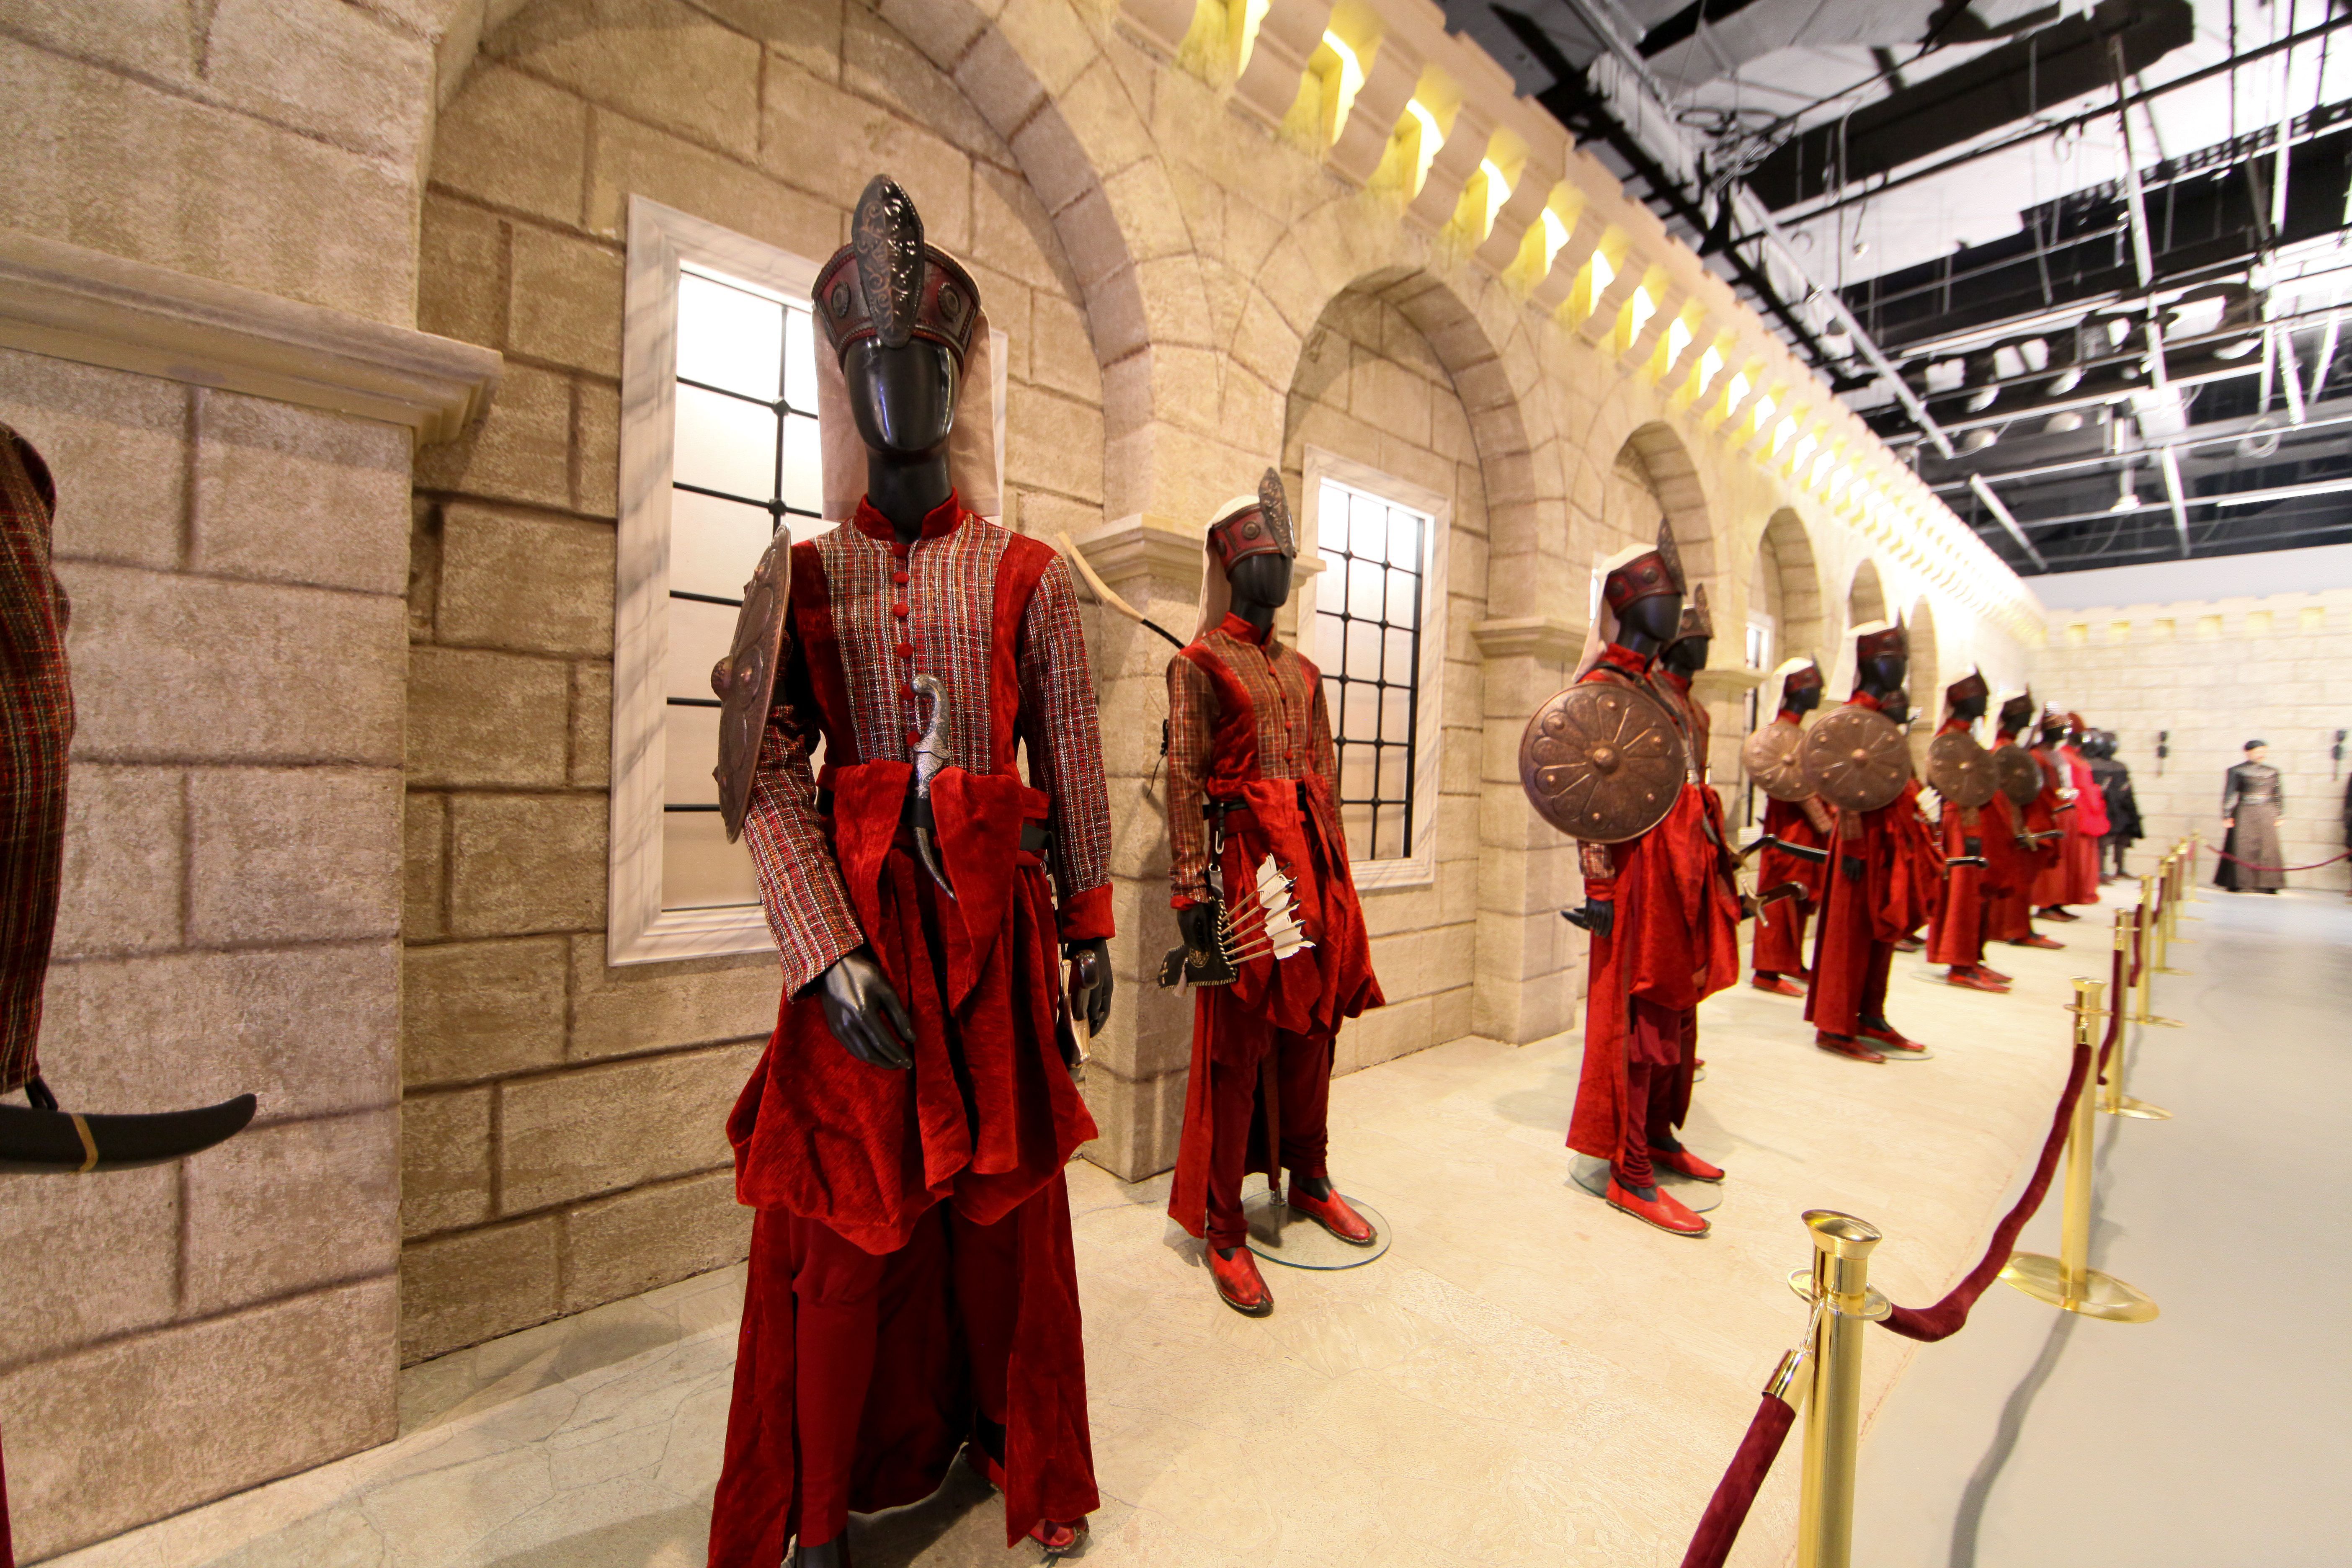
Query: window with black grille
x,y
744,464
1368,618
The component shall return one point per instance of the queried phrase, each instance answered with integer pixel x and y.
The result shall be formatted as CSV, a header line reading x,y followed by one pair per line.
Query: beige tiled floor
x,y
1526,1377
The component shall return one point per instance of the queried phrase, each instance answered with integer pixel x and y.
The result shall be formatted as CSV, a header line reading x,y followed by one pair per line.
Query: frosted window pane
x,y
729,338
1360,720
1404,540
1326,643
1363,651
699,636
1400,662
689,751
804,466
1364,595
1356,822
1403,599
725,444
800,360
1396,723
699,869
714,545
1368,533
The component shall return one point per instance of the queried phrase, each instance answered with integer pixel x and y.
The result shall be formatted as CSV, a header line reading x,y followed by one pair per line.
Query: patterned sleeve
x,y
1191,723
799,883
1321,752
1062,732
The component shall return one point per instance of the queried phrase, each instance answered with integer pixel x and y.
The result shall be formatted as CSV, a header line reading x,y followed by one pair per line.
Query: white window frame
x,y
1418,868
638,929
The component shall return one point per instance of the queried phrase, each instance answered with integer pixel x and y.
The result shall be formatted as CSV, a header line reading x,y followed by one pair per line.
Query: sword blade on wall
x,y
37,1141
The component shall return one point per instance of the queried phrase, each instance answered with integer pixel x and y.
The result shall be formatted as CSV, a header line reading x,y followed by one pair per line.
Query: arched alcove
x,y
1785,590
1924,681
1865,600
1654,459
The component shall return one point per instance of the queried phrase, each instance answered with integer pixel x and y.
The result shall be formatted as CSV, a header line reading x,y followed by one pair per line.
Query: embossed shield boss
x,y
2018,776
1961,770
1770,755
1855,759
745,681
1601,761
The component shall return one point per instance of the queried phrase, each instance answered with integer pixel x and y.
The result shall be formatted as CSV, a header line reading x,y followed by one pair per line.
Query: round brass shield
x,y
1601,761
2017,774
1855,759
1961,769
1770,755
745,681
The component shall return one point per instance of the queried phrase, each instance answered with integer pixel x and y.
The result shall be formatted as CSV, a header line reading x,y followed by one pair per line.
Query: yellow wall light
x,y
1638,312
1678,338
1426,146
1784,433
1710,366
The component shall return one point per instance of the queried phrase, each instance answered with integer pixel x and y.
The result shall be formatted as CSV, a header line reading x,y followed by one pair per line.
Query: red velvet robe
x,y
1779,944
1955,927
2009,915
2083,829
957,1163
1863,916
1674,941
2054,883
1248,726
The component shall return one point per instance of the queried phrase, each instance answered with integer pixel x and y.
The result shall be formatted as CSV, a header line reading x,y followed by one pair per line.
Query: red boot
x,y
1995,975
1886,1037
1661,1209
2058,913
2038,939
1777,984
1333,1214
1845,1046
1683,1162
1969,979
1239,1284
1052,1536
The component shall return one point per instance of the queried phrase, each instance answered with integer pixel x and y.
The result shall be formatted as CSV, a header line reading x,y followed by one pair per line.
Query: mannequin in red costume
x,y
2058,882
1663,912
1879,883
1779,953
2088,827
1253,775
911,1280
1973,862
2008,909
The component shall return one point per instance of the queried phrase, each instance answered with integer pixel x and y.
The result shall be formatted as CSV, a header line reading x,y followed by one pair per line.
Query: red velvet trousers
x,y
858,1376
1241,1043
1780,938
1851,965
1661,1050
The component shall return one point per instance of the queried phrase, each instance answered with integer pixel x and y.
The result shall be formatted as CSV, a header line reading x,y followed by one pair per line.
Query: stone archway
x,y
1787,587
1866,599
1924,681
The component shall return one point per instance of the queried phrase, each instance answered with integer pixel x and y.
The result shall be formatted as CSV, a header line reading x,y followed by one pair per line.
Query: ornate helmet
x,y
1695,621
887,284
2017,712
1639,573
1800,674
1970,685
1255,525
1873,638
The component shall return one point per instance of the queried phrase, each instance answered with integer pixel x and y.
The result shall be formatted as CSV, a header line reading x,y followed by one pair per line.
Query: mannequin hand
x,y
1099,996
1198,925
1851,866
865,1013
1599,918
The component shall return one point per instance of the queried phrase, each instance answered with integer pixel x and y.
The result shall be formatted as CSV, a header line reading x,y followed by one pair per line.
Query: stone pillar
x,y
1530,967
1135,1084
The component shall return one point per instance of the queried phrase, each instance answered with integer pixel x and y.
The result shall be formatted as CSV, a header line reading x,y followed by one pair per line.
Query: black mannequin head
x,y
2054,731
1970,708
1882,674
1261,587
1645,624
1801,699
904,399
1687,656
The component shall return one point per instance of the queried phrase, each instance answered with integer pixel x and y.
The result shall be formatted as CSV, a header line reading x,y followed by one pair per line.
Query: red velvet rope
x,y
1719,1526
7,1552
2314,866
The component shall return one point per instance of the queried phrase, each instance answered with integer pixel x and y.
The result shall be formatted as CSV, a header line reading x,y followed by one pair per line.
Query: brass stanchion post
x,y
2113,1101
1840,1290
2068,1280
2151,937
2179,864
2167,931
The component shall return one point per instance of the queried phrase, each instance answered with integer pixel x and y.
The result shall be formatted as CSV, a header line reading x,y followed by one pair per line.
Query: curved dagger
x,y
37,1139
930,757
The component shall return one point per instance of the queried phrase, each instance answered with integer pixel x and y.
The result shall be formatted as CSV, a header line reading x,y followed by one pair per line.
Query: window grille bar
x,y
778,404
773,508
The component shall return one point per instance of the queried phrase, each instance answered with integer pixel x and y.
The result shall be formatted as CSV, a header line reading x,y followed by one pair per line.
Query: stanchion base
x,y
2147,1018
1297,1242
2102,1295
2168,969
1700,1197
2139,1109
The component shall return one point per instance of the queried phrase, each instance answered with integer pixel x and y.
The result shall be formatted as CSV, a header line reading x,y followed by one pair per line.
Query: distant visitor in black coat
x,y
2124,829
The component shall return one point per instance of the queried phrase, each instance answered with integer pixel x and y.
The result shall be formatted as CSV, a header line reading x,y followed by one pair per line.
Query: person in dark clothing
x,y
2113,779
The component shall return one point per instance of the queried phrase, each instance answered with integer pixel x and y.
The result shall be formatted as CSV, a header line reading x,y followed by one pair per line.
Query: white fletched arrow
x,y
1271,925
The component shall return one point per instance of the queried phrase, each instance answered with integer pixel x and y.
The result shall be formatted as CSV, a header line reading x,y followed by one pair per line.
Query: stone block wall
x,y
563,1121
2212,676
229,923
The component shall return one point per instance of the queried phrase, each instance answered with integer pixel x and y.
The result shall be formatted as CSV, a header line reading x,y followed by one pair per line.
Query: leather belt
x,y
1036,837
1228,815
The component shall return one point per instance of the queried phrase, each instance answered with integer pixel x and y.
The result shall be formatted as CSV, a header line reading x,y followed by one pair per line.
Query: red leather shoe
x,y
1048,1533
1683,1162
833,1553
1886,1037
1660,1208
2038,939
1334,1214
1995,975
2056,913
1910,943
1057,1538
1845,1046
1239,1284
1777,984
1974,980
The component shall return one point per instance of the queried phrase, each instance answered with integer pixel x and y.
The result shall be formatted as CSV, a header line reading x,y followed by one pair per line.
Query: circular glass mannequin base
x,y
1282,1235
2102,1295
1700,1197
2140,1110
